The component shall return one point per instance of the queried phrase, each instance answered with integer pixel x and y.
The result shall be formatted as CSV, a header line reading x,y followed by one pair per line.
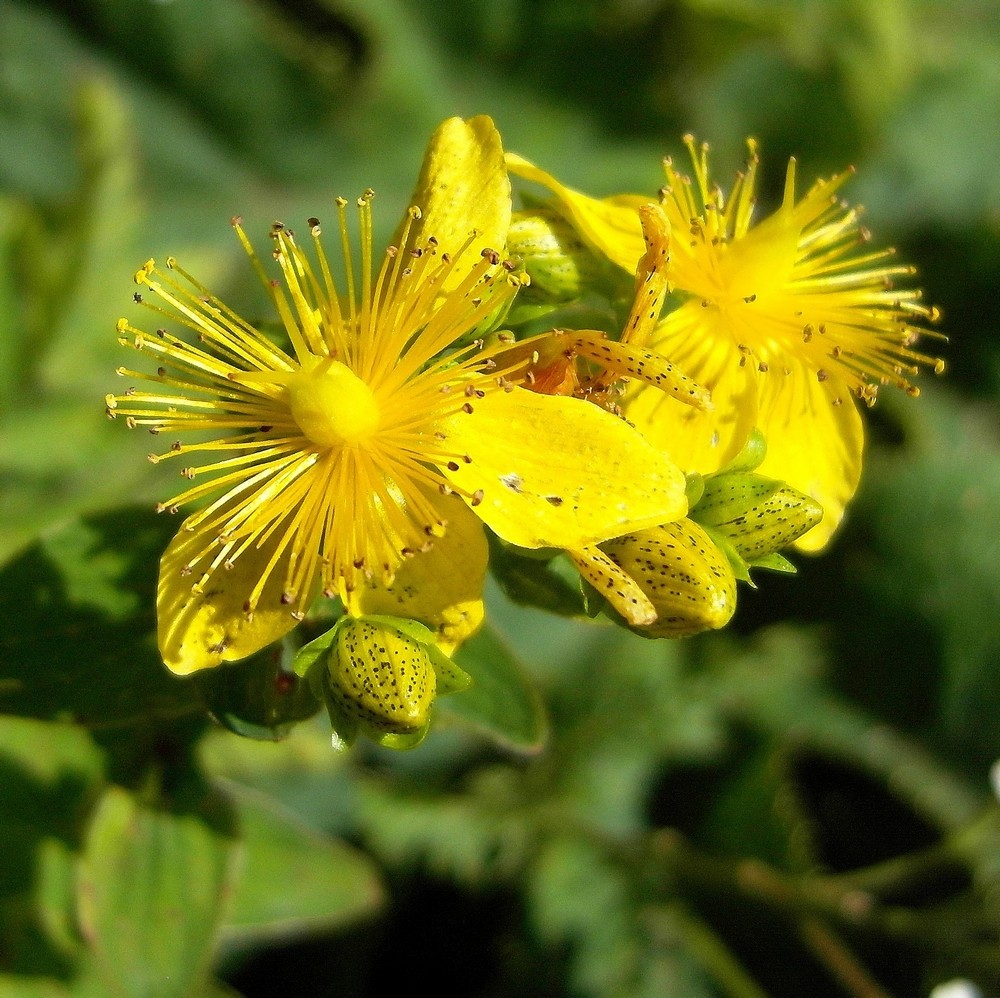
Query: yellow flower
x,y
364,452
783,322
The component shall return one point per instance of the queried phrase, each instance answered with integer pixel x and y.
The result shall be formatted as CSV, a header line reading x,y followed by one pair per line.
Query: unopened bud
x,y
758,516
380,676
561,266
686,577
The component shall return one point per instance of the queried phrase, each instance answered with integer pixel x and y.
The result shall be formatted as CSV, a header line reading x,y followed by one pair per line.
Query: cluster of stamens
x,y
796,285
328,450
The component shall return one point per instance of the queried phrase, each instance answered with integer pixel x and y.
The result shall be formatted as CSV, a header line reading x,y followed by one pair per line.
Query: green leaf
x,y
580,900
501,702
295,880
12,986
77,619
49,774
258,698
934,517
540,579
152,888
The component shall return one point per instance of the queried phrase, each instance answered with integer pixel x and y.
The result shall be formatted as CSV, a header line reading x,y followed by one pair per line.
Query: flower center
x,y
332,405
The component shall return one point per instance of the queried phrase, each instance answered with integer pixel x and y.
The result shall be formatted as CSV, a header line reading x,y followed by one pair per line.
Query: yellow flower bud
x,y
683,573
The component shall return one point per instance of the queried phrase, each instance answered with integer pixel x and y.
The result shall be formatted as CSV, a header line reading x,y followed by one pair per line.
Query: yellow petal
x,y
442,587
463,187
696,341
615,585
652,276
611,226
552,471
199,630
814,443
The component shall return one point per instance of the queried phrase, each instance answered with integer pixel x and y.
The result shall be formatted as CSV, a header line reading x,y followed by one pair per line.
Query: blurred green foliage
x,y
799,806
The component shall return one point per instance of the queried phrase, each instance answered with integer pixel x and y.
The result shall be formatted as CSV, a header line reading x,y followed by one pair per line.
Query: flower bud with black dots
x,y
752,517
685,575
379,676
758,516
562,267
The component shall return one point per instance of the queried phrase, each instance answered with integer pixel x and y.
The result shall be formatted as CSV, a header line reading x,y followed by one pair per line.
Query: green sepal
x,y
774,562
307,655
397,741
750,457
694,488
739,565
310,663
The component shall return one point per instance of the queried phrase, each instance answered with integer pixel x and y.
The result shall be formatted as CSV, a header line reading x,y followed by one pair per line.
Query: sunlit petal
x,y
551,471
610,226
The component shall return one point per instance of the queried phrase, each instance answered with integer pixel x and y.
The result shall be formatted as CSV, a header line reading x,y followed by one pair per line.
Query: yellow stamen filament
x,y
322,456
794,285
